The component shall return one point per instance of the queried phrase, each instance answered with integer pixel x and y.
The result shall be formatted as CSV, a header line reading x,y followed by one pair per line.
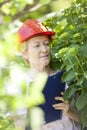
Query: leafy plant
x,y
69,52
6,123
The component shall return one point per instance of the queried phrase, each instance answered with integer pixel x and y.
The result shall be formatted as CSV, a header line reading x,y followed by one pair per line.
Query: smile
x,y
44,56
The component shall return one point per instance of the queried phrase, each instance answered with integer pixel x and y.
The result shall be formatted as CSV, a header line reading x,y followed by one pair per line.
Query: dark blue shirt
x,y
53,88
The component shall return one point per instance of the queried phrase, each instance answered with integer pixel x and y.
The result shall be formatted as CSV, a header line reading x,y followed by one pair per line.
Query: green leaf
x,y
69,92
83,51
81,101
7,18
67,76
70,66
84,116
66,93
1,0
29,1
44,1
14,10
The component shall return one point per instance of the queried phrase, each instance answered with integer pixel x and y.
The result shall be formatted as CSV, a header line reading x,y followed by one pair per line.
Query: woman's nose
x,y
43,48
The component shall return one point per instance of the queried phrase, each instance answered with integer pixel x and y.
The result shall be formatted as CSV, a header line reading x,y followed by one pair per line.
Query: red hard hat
x,y
31,28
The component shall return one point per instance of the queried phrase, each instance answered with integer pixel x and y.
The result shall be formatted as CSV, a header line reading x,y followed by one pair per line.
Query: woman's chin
x,y
44,64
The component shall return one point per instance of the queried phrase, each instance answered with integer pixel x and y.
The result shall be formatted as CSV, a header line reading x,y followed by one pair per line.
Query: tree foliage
x,y
68,50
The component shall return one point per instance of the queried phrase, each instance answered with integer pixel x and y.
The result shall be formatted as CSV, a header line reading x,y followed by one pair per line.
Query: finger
x,y
66,101
59,98
62,93
59,106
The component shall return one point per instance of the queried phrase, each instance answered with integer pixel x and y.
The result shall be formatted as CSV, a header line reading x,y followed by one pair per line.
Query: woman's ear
x,y
24,54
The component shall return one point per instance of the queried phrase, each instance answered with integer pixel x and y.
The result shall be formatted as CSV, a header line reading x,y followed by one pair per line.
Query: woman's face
x,y
38,51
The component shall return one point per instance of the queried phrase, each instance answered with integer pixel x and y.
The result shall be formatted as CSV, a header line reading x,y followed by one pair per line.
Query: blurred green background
x,y
68,18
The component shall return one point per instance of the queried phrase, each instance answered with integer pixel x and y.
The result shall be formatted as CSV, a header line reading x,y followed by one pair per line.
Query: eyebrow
x,y
39,41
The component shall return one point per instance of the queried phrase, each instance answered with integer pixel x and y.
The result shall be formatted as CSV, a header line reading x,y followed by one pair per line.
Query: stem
x,y
79,63
73,68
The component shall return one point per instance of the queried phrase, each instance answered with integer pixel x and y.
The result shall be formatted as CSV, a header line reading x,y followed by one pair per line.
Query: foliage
x,y
69,52
6,123
12,82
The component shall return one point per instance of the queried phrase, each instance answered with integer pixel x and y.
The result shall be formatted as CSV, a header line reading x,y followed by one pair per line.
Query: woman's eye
x,y
37,45
47,44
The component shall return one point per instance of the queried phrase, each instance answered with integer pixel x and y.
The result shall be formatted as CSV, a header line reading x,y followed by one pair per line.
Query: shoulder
x,y
59,72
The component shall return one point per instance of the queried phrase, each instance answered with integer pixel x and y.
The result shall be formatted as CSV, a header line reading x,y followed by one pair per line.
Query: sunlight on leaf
x,y
44,1
29,1
6,8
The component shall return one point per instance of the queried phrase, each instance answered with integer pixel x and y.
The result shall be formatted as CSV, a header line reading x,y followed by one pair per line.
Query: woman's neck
x,y
33,72
36,70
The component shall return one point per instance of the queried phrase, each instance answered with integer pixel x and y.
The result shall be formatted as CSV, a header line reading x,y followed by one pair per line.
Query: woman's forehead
x,y
39,38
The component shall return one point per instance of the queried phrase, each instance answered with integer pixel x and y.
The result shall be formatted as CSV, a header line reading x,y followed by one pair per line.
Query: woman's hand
x,y
64,105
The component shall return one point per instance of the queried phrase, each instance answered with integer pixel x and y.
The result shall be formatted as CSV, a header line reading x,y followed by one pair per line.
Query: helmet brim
x,y
47,33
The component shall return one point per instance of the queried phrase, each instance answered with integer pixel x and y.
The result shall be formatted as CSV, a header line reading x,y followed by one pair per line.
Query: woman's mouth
x,y
44,56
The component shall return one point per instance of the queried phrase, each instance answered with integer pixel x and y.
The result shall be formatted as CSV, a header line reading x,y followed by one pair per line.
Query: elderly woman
x,y
36,40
